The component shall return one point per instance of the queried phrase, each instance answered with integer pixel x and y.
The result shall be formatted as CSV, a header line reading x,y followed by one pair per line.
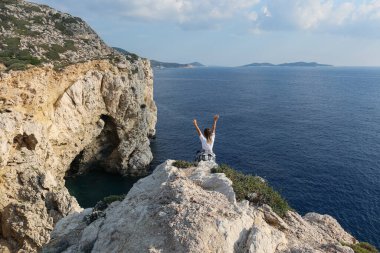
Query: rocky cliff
x,y
68,103
193,210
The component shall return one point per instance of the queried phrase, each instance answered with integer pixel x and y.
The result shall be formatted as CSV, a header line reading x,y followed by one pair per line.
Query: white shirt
x,y
207,146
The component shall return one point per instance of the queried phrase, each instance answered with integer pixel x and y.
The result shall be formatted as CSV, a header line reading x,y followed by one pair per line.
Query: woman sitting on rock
x,y
207,140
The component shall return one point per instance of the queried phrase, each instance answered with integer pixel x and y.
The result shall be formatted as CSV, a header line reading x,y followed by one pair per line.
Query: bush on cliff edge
x,y
254,189
183,164
362,247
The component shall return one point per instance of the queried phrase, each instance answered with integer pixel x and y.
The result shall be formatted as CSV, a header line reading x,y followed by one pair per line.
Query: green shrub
x,y
59,66
132,57
8,1
32,8
70,45
57,48
18,66
35,61
19,23
5,19
113,198
10,61
27,32
26,56
183,164
4,25
20,26
14,58
62,27
56,15
64,23
52,55
362,247
38,20
12,43
245,185
70,20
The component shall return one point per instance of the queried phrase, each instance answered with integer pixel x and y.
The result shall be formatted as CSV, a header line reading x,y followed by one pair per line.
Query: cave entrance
x,y
93,174
101,154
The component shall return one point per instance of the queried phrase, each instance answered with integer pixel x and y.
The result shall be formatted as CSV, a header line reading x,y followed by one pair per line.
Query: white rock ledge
x,y
193,210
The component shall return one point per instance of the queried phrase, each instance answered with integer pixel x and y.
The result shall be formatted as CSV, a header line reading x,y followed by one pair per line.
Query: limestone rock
x,y
214,182
329,226
70,113
176,210
263,239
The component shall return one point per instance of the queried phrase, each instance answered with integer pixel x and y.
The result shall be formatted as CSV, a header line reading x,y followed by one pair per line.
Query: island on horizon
x,y
162,65
290,64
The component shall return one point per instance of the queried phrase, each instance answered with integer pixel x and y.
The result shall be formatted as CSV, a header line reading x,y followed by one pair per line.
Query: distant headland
x,y
162,65
159,64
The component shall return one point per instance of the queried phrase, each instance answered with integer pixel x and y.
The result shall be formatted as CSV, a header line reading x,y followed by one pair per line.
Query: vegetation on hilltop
x,y
35,34
15,58
131,56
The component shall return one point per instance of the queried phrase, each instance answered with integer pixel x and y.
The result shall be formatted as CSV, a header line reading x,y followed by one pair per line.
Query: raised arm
x,y
216,117
196,127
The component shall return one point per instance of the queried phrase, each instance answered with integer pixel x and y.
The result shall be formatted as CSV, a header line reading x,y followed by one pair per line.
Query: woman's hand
x,y
196,127
216,117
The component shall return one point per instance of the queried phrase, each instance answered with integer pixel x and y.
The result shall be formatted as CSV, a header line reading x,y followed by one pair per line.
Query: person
x,y
207,140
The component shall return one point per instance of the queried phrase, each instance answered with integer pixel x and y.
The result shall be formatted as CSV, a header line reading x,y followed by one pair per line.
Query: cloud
x,y
185,13
338,17
348,17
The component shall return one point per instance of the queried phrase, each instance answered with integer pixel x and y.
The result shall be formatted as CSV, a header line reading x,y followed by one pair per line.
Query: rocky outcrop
x,y
48,119
94,111
178,210
87,106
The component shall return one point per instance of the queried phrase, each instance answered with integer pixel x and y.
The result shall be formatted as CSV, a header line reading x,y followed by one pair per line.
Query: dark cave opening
x,y
101,154
93,174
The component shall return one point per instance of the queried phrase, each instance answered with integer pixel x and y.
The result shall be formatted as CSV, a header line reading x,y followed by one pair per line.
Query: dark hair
x,y
207,132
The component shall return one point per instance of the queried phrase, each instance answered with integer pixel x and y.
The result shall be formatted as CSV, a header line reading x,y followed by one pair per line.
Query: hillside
x,y
34,34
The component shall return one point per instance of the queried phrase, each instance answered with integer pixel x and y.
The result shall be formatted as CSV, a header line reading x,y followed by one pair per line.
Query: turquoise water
x,y
94,186
313,133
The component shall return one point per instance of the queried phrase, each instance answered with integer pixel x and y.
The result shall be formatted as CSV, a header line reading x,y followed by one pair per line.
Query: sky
x,y
237,32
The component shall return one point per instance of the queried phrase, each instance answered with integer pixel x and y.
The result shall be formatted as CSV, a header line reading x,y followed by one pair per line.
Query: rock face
x,y
178,210
88,112
96,110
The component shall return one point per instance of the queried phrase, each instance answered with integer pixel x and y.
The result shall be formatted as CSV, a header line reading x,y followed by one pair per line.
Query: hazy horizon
x,y
237,32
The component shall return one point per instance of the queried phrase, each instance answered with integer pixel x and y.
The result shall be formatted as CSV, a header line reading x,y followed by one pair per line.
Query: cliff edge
x,y
68,103
194,210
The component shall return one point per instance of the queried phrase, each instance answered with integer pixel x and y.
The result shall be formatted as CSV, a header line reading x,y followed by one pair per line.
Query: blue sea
x,y
313,133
